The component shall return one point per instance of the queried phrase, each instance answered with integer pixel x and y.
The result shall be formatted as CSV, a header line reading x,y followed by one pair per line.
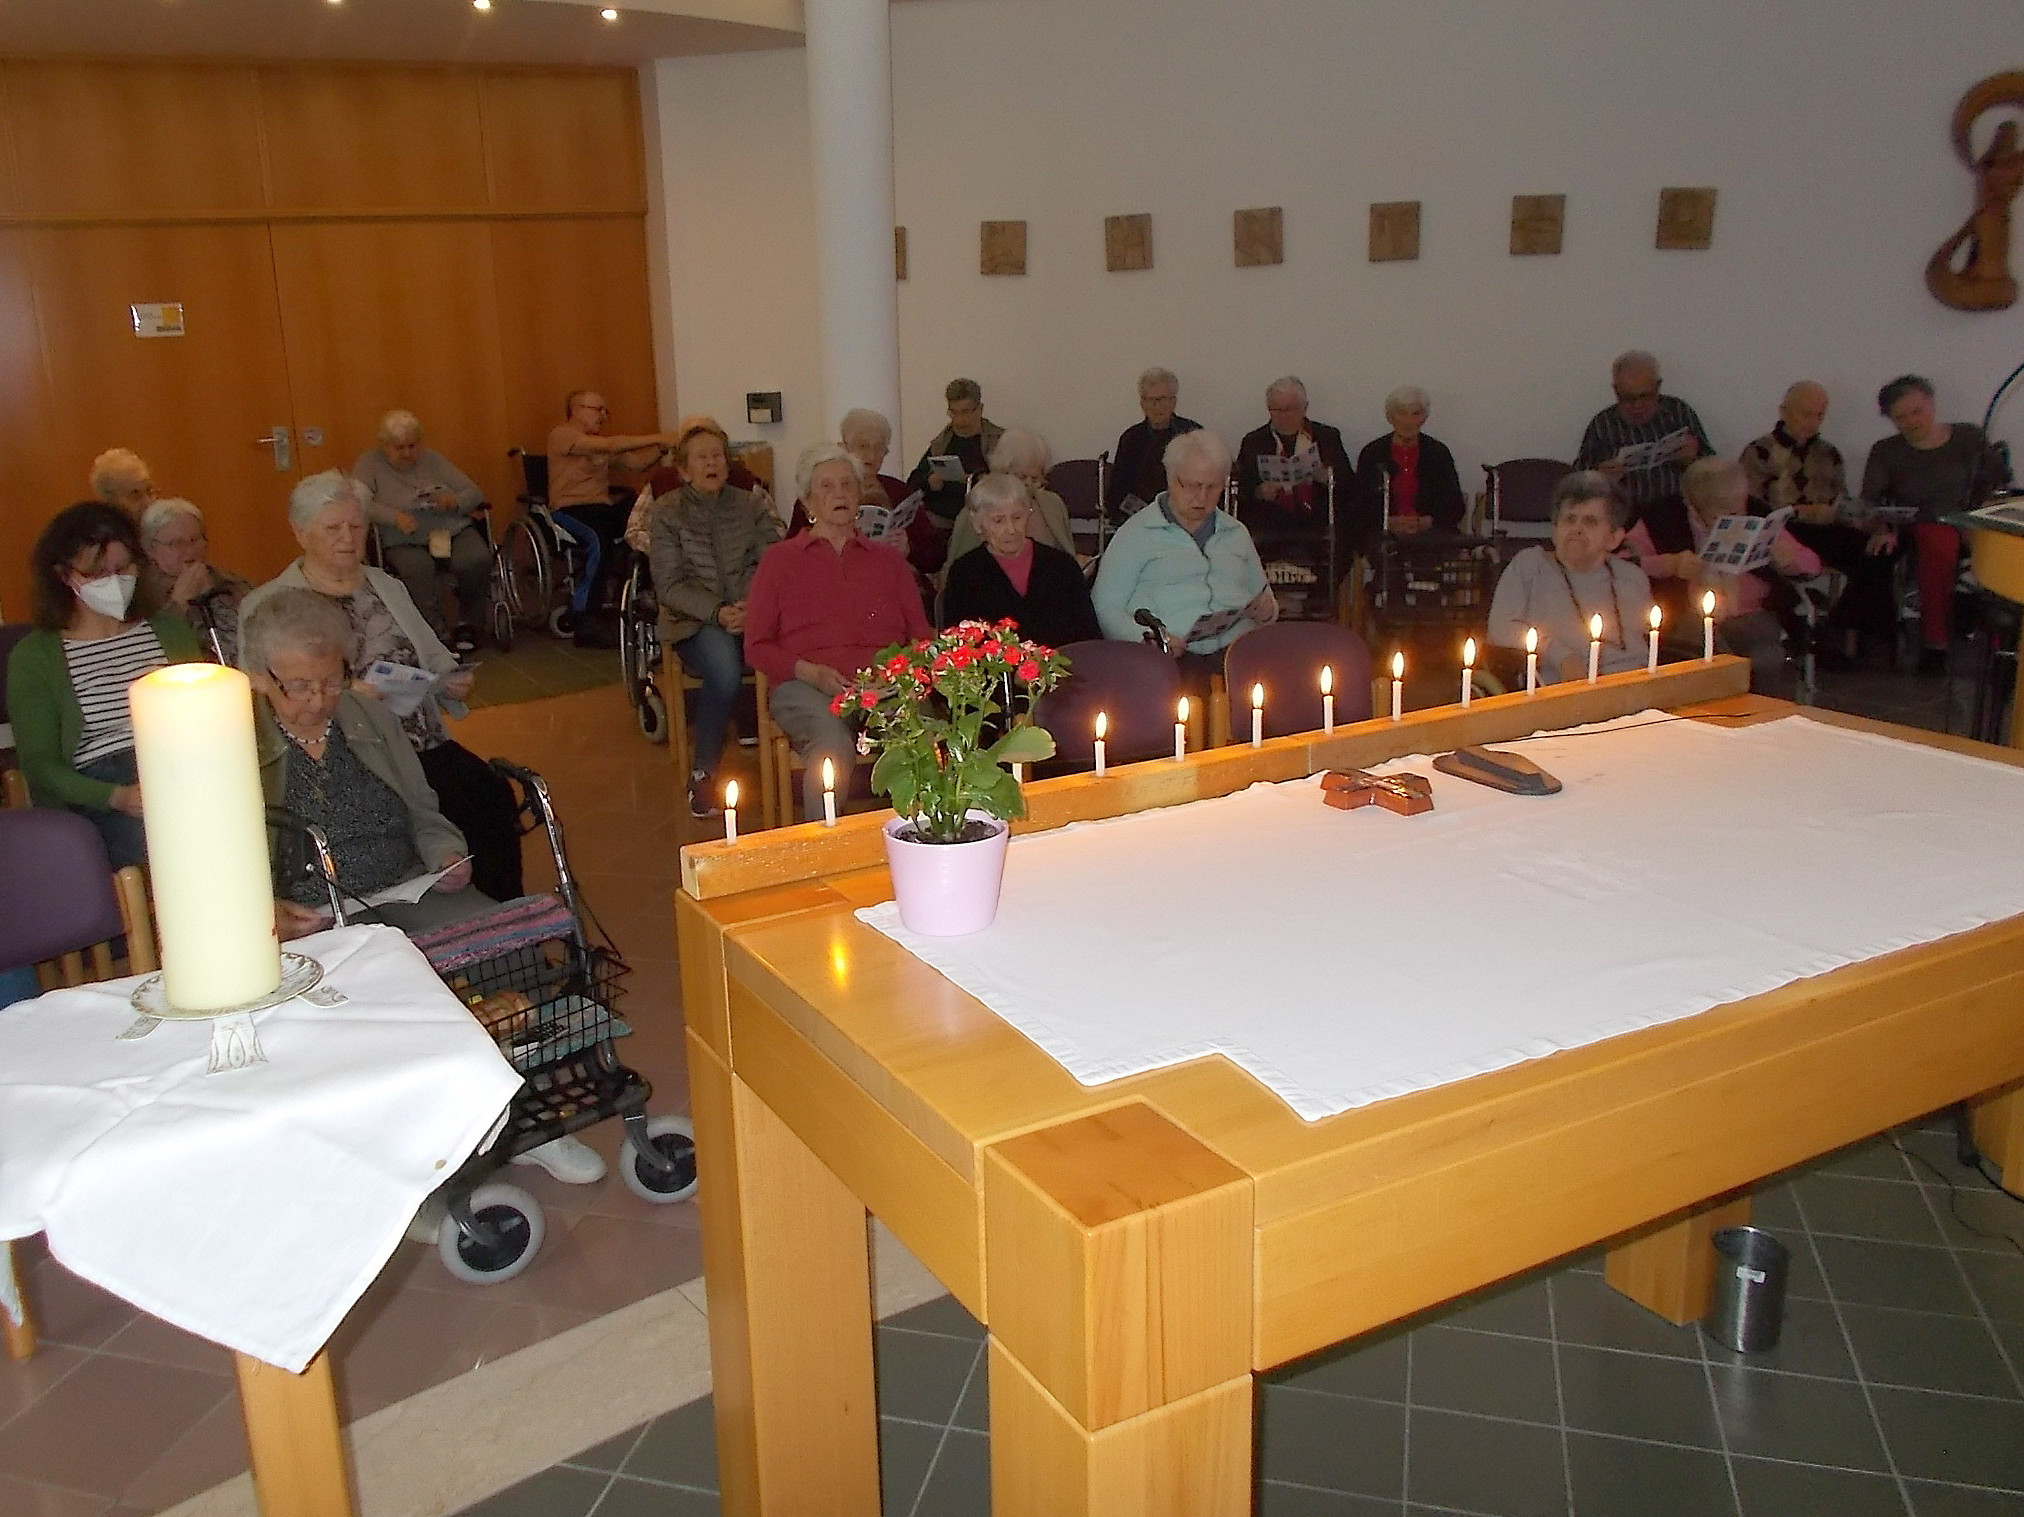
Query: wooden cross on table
x,y
1405,794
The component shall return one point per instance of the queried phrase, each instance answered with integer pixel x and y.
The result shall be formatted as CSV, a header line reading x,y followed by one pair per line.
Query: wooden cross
x,y
1405,794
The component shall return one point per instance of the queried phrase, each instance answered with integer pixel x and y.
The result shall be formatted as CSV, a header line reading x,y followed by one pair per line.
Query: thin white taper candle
x,y
731,812
1327,701
1531,660
1708,625
1652,657
1102,726
1257,716
1594,647
1181,730
829,792
1468,672
1398,685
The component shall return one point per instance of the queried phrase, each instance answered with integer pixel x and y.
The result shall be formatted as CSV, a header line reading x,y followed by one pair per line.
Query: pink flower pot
x,y
944,890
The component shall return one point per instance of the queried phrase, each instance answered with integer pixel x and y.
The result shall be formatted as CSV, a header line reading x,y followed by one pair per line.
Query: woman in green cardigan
x,y
67,680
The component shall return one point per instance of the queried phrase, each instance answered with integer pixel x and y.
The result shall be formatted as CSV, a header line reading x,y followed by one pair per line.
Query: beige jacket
x,y
1050,526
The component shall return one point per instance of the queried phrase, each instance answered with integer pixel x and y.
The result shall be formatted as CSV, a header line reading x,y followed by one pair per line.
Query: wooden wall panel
x,y
192,406
385,314
10,179
573,314
565,142
374,139
123,140
28,489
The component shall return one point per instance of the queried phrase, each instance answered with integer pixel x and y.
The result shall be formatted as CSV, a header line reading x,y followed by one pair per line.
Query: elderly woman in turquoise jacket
x,y
1192,566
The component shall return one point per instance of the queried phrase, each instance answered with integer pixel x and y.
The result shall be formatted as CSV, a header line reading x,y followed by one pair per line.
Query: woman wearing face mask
x,y
67,680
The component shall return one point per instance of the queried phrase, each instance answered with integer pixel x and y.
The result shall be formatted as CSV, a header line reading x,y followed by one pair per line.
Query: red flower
x,y
867,700
836,706
1029,671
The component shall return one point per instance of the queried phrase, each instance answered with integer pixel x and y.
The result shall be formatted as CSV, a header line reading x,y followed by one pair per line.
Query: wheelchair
x,y
500,619
639,649
542,559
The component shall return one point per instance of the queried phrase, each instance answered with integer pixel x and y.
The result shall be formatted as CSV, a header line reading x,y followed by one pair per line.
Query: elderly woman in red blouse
x,y
821,606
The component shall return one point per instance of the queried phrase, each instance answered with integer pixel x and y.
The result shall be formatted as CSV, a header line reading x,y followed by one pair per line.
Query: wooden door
x,y
192,406
386,314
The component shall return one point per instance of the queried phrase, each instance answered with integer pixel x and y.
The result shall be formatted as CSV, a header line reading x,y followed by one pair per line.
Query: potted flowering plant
x,y
946,717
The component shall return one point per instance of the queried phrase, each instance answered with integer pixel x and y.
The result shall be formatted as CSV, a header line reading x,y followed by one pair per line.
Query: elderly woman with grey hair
x,y
176,577
392,647
1285,512
1138,463
425,511
1012,573
821,606
121,477
1026,457
1557,590
1425,489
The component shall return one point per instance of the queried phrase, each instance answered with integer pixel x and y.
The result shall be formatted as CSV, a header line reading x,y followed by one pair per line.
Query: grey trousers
x,y
470,566
803,714
1756,635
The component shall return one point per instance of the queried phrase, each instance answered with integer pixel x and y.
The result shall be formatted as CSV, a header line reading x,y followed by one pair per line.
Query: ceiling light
x,y
609,14
481,5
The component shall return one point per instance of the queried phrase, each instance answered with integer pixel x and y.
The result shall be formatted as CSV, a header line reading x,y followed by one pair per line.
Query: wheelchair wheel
x,y
562,621
652,712
502,624
515,1226
674,1140
529,575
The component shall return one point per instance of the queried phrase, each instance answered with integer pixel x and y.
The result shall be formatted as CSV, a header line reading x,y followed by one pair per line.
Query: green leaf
x,y
1023,745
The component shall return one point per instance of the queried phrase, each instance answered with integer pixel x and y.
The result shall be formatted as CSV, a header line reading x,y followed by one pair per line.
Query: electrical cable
x,y
1980,1166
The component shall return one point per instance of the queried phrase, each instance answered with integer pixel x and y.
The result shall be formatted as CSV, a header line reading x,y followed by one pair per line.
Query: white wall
x,y
1823,123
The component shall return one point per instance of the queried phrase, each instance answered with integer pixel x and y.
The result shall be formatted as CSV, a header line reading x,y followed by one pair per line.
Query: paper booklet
x,y
402,686
1211,623
1639,456
946,469
410,891
2008,513
1288,469
888,524
1738,544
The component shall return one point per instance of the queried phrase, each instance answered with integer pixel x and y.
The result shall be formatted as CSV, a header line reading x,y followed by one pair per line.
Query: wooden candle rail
x,y
811,850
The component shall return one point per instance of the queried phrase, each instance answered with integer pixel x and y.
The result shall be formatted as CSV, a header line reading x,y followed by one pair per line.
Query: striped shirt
x,y
101,669
1609,434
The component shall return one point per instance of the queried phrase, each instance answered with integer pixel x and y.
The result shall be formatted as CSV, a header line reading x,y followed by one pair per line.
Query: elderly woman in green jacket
x,y
67,680
706,539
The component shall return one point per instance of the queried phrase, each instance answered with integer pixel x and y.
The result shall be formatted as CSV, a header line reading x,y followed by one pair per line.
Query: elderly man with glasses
x,y
1618,445
580,461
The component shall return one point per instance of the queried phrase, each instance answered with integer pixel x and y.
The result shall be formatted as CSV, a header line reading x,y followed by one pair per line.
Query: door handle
x,y
284,453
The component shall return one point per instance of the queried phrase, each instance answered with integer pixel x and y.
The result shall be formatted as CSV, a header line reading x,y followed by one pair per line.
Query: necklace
x,y
306,743
1580,612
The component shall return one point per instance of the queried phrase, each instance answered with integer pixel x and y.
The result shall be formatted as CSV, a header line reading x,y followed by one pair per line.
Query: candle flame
x,y
731,795
1469,654
1257,697
1398,666
1181,712
1595,627
1327,680
1708,604
829,774
1655,618
1102,724
1531,639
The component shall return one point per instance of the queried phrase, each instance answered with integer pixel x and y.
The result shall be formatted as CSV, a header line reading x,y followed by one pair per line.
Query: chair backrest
x,y
60,898
1521,491
1134,684
10,634
534,470
1287,659
1079,483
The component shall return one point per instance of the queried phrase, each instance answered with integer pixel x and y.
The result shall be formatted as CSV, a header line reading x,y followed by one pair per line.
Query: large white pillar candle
x,y
207,835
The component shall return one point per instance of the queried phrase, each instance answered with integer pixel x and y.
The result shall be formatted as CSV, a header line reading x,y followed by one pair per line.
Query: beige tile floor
x,y
120,1414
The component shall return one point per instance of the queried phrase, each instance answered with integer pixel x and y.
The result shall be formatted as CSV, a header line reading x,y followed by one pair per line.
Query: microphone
x,y
1156,631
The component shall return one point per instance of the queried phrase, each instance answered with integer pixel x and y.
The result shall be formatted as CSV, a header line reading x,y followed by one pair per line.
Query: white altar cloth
x,y
254,1206
1344,957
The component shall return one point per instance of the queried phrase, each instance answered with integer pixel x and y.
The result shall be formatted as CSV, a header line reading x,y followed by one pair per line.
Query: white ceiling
x,y
514,31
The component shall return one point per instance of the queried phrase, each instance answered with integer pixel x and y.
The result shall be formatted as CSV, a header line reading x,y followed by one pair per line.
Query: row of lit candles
x,y
1398,680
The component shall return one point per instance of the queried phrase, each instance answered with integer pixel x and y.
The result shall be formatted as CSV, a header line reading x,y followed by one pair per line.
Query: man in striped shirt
x,y
1642,415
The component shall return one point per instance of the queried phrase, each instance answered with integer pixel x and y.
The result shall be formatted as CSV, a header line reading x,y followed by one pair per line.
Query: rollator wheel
x,y
674,1139
561,622
652,712
516,1221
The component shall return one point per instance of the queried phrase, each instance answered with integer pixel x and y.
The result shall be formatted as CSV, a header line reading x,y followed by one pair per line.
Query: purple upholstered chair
x,y
1134,684
1287,659
60,898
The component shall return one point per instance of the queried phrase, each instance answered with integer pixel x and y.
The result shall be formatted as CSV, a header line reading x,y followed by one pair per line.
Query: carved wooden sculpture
x,y
1982,281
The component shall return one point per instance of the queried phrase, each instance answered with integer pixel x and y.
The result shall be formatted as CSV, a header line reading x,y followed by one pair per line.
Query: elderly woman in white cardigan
x,y
328,518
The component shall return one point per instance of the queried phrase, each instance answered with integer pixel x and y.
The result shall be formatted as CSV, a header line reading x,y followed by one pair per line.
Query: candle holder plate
x,y
300,974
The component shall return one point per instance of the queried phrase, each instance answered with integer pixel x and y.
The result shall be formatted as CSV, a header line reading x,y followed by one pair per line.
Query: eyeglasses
x,y
594,410
304,689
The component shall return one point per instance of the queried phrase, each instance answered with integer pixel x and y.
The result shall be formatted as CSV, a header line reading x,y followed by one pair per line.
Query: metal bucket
x,y
1749,1305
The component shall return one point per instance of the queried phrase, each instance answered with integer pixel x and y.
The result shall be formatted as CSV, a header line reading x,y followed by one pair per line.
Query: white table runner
x,y
1347,957
255,1206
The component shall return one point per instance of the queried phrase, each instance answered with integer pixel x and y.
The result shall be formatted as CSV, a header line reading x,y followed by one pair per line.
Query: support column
x,y
850,119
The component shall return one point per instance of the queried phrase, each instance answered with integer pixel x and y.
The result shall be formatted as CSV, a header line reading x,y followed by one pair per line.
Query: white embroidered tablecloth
x,y
254,1206
1346,957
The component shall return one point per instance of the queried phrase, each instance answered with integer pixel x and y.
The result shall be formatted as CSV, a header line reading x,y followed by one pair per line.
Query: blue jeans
x,y
717,658
126,840
593,558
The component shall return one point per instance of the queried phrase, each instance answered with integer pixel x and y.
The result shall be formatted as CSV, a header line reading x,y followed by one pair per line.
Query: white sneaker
x,y
570,1161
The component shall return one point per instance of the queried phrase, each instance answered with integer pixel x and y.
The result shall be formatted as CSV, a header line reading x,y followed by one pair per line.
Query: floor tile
x,y
1810,1342
1375,1369
1636,1396
1775,1416
1520,1308
610,1454
557,1492
1586,1310
1616,1477
1954,1438
71,1311
1931,1352
905,1449
1461,1371
1775,1207
388,1350
1867,1273
638,1498
1977,1218
921,1378
211,1452
1279,1500
960,1483
1797,1490
973,1412
944,1315
99,1428
154,1340
1334,1443
1860,1208
1873,1158
1998,1281
1955,1501
23,1382
1503,1468
678,1447
18,1498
